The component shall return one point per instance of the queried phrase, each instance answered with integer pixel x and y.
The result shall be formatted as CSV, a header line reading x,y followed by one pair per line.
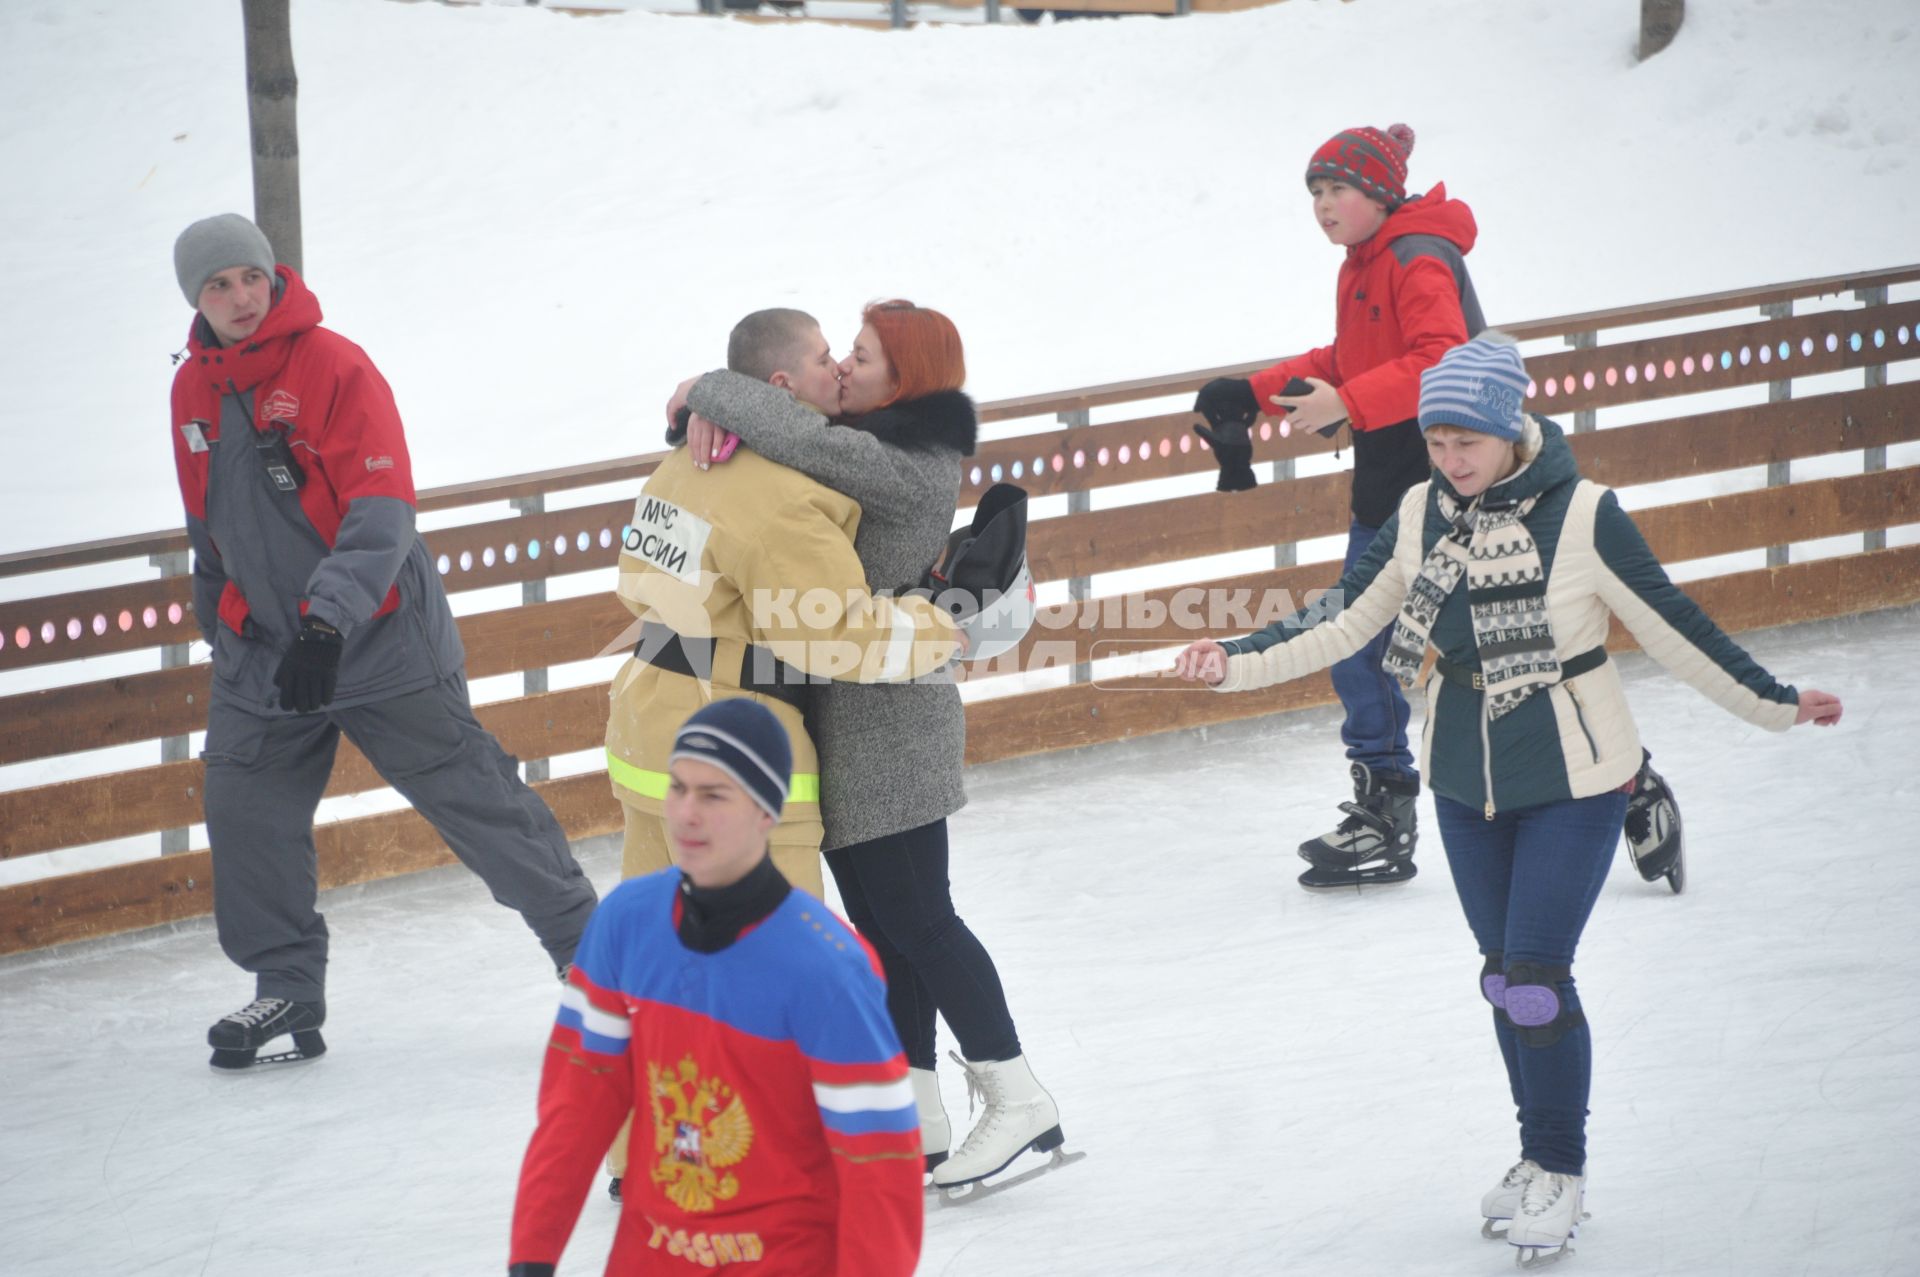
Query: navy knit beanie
x,y
743,739
1479,386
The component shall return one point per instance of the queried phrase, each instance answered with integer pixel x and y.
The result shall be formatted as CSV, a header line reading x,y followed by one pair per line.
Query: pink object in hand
x,y
729,441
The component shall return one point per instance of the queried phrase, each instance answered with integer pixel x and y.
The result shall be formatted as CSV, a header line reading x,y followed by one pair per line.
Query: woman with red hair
x,y
891,754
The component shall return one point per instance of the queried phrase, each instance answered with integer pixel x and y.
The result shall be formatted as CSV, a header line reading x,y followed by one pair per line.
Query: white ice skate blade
x,y
1492,1234
969,1193
1531,1257
1526,1256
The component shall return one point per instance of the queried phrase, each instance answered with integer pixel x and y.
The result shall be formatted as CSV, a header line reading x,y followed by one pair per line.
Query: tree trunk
x,y
272,94
1659,22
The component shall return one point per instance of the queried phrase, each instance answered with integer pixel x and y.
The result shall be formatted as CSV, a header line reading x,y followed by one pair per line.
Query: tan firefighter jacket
x,y
751,552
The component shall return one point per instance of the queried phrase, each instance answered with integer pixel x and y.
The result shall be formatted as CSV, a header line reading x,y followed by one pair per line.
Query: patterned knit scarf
x,y
1506,592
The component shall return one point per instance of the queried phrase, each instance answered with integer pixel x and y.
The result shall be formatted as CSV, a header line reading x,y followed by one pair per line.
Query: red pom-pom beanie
x,y
1374,161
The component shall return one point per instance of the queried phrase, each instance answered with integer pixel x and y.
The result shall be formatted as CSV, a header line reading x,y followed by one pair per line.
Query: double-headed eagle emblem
x,y
700,1128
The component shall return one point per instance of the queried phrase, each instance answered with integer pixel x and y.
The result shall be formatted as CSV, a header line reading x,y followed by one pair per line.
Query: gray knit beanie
x,y
211,245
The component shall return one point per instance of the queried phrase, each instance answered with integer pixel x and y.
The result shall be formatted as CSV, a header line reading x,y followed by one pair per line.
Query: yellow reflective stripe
x,y
803,788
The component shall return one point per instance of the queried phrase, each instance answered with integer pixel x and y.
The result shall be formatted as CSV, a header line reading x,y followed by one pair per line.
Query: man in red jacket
x,y
324,615
1403,299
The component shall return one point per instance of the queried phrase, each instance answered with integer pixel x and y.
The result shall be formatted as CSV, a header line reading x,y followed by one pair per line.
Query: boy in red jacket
x,y
1403,299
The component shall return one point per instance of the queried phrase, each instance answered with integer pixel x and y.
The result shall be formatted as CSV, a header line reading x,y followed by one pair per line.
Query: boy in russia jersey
x,y
775,1125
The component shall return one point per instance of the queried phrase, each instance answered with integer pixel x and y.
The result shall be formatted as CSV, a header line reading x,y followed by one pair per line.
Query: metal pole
x,y
1080,588
1587,419
1659,21
1287,553
173,749
899,8
273,95
1779,473
534,682
1874,459
993,12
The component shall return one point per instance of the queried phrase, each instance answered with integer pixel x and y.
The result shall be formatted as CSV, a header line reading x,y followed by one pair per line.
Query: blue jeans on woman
x,y
1528,880
1375,730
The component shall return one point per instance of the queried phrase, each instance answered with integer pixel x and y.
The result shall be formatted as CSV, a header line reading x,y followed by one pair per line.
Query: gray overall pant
x,y
265,777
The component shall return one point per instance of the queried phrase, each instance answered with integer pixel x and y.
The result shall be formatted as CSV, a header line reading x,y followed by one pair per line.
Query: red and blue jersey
x,y
774,1125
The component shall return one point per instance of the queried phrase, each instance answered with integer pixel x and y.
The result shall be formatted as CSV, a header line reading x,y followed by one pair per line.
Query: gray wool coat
x,y
890,755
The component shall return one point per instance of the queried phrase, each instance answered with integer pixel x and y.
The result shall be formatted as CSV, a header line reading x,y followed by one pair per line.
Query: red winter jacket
x,y
341,548
345,430
1403,299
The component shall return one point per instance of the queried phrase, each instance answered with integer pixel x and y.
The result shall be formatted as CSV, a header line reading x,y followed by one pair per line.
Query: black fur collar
x,y
942,420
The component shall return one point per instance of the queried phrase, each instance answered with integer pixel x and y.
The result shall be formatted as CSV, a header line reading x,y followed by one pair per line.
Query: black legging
x,y
896,892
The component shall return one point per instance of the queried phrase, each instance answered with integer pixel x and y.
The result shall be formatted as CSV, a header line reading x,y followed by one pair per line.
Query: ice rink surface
x,y
1265,1081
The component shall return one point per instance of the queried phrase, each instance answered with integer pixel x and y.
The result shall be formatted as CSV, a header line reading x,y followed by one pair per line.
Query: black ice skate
x,y
1654,837
236,1039
1374,843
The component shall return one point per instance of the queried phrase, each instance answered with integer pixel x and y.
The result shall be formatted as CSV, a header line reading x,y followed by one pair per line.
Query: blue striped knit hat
x,y
743,739
1479,386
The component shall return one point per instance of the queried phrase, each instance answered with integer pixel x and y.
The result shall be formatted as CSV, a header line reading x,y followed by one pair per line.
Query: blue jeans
x,y
1375,731
1527,881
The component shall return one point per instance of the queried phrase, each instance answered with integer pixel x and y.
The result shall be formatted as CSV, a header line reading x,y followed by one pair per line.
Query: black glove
x,y
677,432
527,1268
310,668
1230,408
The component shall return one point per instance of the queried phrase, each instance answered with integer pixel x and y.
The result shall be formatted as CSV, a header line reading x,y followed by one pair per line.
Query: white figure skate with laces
x,y
1502,1202
1550,1212
1017,1115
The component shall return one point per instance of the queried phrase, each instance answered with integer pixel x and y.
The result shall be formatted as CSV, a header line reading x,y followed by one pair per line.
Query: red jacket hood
x,y
1429,214
295,310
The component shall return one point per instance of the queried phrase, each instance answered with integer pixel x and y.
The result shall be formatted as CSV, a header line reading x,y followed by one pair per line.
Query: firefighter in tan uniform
x,y
745,580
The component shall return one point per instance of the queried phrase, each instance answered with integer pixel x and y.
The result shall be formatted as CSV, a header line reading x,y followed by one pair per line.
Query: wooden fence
x,y
1722,348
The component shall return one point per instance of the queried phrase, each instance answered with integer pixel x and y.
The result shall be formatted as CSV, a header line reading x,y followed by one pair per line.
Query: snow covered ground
x,y
1265,1081
538,224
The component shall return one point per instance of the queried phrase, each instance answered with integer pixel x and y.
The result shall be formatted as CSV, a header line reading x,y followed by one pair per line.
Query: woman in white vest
x,y
1512,567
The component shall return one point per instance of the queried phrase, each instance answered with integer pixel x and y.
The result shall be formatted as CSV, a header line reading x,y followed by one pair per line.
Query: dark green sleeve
x,y
1329,605
1671,627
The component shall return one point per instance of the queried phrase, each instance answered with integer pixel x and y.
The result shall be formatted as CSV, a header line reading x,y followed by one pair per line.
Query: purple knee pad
x,y
1531,1005
1493,980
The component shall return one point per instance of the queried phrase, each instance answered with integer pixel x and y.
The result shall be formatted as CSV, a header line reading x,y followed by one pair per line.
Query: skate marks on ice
x,y
1274,1081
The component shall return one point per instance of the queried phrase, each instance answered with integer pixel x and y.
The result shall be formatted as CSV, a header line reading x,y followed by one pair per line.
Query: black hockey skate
x,y
236,1039
1374,843
1654,836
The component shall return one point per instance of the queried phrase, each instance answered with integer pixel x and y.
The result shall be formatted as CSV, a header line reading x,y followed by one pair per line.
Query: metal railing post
x,y
534,682
1586,419
1287,553
173,749
1779,473
1874,460
1080,588
993,12
899,12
